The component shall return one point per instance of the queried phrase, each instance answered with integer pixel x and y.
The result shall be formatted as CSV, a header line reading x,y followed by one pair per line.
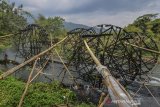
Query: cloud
x,y
85,6
95,18
119,12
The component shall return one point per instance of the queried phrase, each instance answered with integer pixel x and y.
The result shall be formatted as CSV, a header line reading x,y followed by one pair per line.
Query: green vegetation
x,y
53,25
148,24
38,95
13,18
4,43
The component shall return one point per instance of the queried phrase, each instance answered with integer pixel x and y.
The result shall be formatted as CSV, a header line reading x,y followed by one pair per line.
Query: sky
x,y
92,12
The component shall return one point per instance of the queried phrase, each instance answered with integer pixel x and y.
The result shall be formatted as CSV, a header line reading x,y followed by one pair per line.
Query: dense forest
x,y
14,18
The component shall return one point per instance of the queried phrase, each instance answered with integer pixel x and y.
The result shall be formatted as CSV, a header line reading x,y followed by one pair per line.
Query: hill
x,y
69,26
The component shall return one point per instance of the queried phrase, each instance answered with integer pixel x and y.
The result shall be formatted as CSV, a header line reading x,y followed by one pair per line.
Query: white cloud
x,y
60,5
120,19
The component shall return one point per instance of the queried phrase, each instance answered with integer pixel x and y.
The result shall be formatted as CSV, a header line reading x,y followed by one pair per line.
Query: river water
x,y
53,71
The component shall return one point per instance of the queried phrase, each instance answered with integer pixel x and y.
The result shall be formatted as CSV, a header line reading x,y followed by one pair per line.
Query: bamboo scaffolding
x,y
115,89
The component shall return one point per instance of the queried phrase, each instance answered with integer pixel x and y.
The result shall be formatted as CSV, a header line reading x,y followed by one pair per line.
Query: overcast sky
x,y
92,12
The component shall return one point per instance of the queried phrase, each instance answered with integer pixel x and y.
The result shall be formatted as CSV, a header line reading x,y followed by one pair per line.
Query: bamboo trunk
x,y
116,91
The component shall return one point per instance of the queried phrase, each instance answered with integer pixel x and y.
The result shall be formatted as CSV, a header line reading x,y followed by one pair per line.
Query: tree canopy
x,y
53,25
12,17
148,24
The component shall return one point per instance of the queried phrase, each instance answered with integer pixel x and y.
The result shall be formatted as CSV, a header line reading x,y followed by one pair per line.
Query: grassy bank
x,y
38,95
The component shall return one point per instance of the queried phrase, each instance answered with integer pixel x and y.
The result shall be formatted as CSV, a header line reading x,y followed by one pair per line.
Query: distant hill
x,y
70,26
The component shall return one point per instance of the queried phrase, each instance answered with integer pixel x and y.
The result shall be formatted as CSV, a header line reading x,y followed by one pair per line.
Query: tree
x,y
156,26
54,25
132,28
141,22
148,24
12,18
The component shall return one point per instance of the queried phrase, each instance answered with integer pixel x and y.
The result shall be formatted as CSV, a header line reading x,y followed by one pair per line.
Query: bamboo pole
x,y
153,51
104,101
7,35
70,74
152,95
27,85
154,78
52,57
12,70
115,89
101,99
39,71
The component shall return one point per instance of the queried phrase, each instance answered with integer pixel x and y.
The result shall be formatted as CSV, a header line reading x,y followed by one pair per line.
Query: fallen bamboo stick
x,y
39,71
12,70
155,78
150,50
101,99
27,85
152,95
104,101
115,89
7,35
70,74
